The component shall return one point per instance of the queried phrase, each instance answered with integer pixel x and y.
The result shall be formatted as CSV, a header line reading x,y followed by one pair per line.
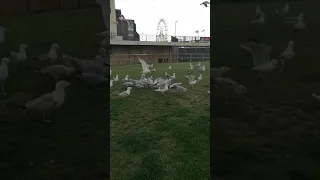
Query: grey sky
x,y
146,13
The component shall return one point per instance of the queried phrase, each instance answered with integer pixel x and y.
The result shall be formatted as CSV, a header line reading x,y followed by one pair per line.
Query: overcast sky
x,y
146,14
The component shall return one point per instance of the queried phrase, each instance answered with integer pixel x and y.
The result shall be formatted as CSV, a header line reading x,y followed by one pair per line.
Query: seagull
x,y
57,71
316,96
173,76
288,53
267,67
175,84
284,10
200,77
126,78
125,93
192,80
203,68
260,52
93,79
260,20
218,72
49,101
111,82
145,68
4,73
190,67
110,72
205,3
128,83
154,69
2,34
51,56
299,25
162,89
169,68
115,79
259,11
229,87
21,55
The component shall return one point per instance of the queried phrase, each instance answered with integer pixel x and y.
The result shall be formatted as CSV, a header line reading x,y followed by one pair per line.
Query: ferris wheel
x,y
162,30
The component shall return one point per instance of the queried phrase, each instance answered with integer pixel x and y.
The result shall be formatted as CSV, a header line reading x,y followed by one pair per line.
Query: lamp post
x,y
175,29
204,33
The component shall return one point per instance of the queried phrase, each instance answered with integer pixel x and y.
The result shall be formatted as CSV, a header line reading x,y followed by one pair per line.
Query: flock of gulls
x,y
262,63
94,72
159,84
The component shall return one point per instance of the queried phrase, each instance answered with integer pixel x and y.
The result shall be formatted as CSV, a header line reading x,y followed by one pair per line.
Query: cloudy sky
x,y
146,13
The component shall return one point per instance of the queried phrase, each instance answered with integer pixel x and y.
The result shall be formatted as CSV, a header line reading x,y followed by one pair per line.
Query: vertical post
x,y
175,29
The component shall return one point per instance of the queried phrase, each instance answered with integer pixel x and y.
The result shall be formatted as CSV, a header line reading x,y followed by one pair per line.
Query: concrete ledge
x,y
152,43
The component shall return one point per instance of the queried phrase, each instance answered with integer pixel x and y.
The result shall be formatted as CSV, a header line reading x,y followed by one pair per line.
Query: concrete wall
x,y
125,55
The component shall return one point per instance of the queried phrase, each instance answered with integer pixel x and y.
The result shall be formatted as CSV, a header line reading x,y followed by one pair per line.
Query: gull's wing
x,y
259,52
143,64
190,77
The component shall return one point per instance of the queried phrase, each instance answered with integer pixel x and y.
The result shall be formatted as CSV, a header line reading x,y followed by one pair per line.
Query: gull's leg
x,y
2,90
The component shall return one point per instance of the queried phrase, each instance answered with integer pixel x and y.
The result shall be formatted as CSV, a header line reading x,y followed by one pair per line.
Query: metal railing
x,y
132,59
157,38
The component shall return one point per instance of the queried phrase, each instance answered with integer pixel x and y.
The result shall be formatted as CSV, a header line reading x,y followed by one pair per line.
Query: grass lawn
x,y
281,140
160,137
75,144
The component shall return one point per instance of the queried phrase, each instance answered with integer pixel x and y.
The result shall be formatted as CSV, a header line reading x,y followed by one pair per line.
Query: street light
x,y
175,29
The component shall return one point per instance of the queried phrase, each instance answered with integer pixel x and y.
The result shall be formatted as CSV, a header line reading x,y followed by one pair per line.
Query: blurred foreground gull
x,y
2,34
284,10
52,56
229,88
260,20
93,79
21,55
259,11
145,66
125,93
218,72
287,54
260,52
57,71
299,25
4,73
50,101
205,3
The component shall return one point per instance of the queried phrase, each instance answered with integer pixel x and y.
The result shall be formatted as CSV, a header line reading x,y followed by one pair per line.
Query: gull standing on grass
x,y
162,89
51,56
20,56
125,93
111,83
287,54
169,68
50,101
299,25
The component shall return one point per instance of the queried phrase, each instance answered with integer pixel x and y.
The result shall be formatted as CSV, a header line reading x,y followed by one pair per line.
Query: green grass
x,y
255,145
160,137
77,140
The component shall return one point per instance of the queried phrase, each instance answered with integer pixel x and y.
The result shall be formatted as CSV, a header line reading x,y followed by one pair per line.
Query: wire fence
x,y
132,59
159,38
